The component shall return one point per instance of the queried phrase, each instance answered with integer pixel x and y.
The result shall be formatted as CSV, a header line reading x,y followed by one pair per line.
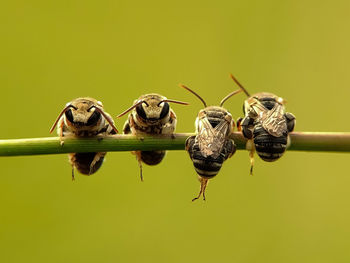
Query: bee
x,y
84,117
151,115
266,125
211,145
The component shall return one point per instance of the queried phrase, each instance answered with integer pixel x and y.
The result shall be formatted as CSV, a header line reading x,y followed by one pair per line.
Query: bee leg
x,y
230,147
247,126
73,178
290,121
169,127
97,157
138,157
60,131
251,148
239,126
204,183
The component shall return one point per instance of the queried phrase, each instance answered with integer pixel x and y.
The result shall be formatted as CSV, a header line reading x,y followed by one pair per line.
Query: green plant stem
x,y
300,141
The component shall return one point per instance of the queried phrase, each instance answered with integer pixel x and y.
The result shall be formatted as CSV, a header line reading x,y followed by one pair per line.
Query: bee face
x,y
153,109
82,113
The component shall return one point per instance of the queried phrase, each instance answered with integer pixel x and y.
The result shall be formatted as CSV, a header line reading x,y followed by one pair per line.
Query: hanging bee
x,y
84,117
266,125
151,115
211,145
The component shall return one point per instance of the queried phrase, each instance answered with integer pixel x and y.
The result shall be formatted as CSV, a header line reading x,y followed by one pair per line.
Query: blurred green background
x,y
293,210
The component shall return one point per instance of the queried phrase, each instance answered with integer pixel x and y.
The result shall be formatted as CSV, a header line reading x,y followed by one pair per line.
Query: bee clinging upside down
x,y
84,117
211,145
266,125
151,115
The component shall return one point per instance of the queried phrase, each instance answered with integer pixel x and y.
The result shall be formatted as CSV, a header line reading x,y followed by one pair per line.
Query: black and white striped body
x,y
269,146
208,165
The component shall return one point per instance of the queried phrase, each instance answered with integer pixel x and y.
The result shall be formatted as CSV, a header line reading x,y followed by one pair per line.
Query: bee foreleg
x,y
60,132
239,126
169,127
204,183
251,148
290,121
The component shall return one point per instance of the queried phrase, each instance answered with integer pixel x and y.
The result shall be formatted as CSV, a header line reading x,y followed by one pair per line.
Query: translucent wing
x,y
211,140
273,121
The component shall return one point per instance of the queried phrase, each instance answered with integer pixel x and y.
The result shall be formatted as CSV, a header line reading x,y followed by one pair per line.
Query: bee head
x,y
267,99
152,108
84,113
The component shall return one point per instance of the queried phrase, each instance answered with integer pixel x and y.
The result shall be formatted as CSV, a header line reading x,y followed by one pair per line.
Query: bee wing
x,y
273,121
211,140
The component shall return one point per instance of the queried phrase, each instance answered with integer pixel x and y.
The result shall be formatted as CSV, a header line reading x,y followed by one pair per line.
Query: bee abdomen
x,y
268,147
206,167
152,157
82,162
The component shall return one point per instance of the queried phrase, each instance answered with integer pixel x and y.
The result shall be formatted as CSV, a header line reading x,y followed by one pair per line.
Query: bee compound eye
x,y
165,110
69,115
141,112
94,118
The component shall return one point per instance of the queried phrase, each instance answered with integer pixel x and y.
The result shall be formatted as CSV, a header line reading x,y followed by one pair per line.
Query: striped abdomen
x,y
82,162
268,147
208,167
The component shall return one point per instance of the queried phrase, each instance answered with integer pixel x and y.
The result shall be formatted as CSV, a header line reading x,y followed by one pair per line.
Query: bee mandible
x,y
84,117
211,145
150,115
266,125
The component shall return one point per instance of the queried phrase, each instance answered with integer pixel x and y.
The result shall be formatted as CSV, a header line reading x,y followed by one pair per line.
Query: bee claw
x,y
62,143
141,177
204,182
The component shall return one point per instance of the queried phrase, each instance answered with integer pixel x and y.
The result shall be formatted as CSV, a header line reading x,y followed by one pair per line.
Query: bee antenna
x,y
240,85
194,93
107,118
131,108
204,183
60,115
174,101
229,96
